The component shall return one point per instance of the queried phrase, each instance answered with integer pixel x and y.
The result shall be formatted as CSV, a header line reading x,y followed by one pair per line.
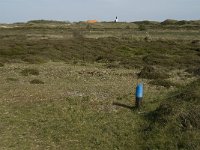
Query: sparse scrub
x,y
113,65
162,82
169,22
176,121
28,71
196,42
1,64
142,28
77,34
12,79
88,27
127,27
35,59
91,80
195,71
149,72
99,59
13,52
147,39
36,81
159,59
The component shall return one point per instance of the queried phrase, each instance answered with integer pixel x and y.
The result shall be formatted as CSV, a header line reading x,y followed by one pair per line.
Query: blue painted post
x,y
139,95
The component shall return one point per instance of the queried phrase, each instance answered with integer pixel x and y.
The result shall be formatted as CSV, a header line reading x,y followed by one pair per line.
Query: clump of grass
x,y
77,34
71,123
194,71
196,42
169,22
142,28
99,58
28,71
127,27
1,64
12,79
113,65
34,59
161,82
149,72
147,39
176,121
16,51
36,81
159,59
89,27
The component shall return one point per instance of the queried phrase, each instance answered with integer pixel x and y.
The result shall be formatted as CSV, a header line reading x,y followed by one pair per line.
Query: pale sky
x,y
101,10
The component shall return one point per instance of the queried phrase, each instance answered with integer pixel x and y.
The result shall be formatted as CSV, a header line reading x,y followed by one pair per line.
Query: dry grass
x,y
94,97
64,86
175,121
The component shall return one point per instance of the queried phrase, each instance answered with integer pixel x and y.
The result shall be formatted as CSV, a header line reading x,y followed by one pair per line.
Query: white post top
x,y
116,20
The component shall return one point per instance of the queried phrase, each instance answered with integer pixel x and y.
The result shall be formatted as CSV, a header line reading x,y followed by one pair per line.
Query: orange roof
x,y
92,21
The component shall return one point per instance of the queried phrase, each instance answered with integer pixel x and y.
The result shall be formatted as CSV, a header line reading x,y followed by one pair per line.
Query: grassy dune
x,y
71,86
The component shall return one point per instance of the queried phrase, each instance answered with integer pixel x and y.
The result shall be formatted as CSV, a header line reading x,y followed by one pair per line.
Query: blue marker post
x,y
139,95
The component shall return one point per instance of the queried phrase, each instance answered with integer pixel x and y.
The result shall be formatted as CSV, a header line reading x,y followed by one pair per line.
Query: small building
x,y
116,19
91,21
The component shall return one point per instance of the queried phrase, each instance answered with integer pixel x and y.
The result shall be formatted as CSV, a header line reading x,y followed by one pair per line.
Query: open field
x,y
72,86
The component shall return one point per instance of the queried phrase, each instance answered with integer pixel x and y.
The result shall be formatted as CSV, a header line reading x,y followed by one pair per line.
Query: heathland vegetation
x,y
71,85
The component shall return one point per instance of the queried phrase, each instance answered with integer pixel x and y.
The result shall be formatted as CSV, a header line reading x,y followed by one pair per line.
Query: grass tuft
x,y
176,121
28,71
36,81
149,72
194,71
1,65
12,79
162,82
35,59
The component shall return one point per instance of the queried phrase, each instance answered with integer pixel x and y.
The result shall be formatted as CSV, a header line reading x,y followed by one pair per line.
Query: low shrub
x,y
12,79
195,71
169,22
113,65
176,121
36,81
77,34
149,72
34,59
142,28
29,71
164,83
159,59
1,64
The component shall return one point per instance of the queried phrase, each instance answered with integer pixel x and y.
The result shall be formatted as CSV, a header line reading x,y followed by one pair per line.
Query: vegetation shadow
x,y
124,105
